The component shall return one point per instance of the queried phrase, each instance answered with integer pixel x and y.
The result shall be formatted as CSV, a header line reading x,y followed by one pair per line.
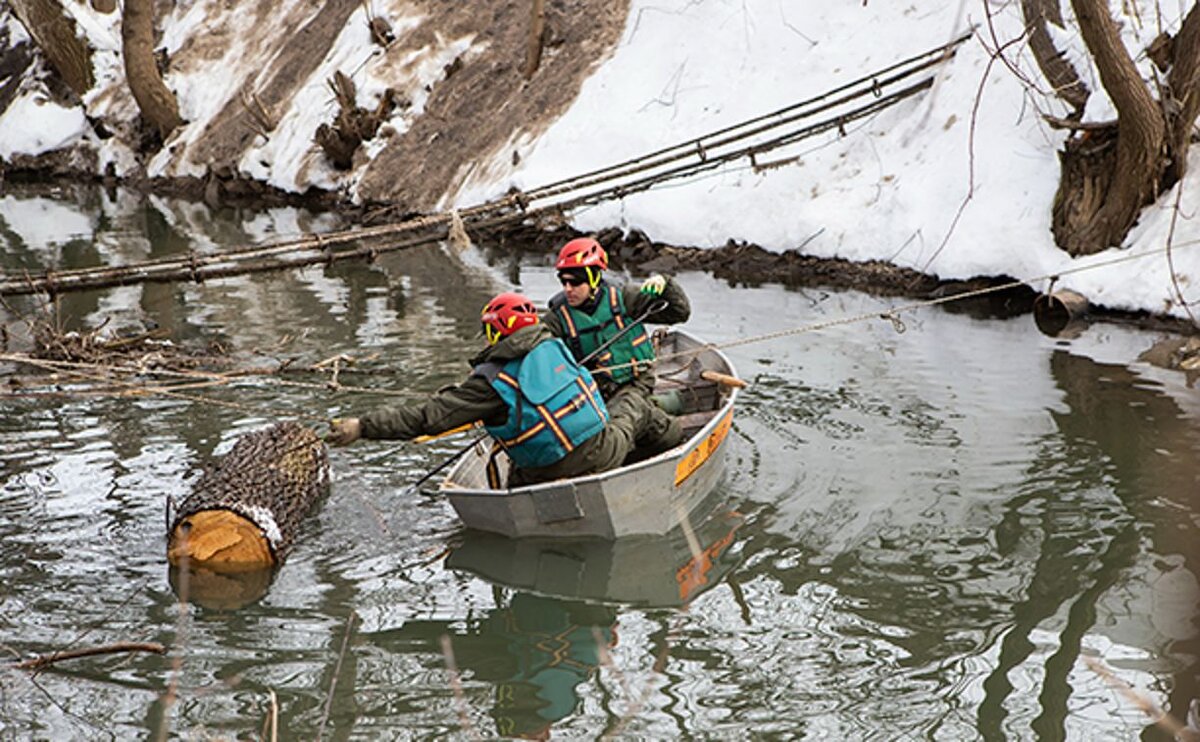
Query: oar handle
x,y
723,379
445,433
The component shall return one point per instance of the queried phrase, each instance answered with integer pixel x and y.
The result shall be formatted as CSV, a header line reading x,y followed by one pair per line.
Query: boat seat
x,y
693,421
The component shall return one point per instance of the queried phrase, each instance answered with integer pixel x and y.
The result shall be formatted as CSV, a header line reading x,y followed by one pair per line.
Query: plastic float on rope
x,y
1060,313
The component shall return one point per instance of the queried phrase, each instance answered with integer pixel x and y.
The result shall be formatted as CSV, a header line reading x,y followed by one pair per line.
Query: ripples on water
x,y
920,534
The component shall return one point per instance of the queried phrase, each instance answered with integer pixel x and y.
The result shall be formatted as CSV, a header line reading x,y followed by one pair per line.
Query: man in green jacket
x,y
589,311
535,401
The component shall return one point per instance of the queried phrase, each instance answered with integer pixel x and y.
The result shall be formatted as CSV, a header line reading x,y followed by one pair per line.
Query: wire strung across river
x,y
893,314
729,144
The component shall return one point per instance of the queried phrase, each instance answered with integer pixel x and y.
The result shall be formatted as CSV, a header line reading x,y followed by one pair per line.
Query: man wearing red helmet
x,y
535,401
589,311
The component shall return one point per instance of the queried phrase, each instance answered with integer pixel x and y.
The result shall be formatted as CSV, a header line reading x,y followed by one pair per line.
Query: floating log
x,y
245,514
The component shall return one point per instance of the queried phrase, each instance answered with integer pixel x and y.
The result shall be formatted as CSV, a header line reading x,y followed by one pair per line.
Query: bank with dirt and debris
x,y
888,162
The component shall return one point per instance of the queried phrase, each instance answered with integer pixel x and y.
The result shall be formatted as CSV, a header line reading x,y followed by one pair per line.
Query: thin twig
x,y
460,700
337,668
169,694
635,707
998,54
271,723
1170,261
46,660
1159,717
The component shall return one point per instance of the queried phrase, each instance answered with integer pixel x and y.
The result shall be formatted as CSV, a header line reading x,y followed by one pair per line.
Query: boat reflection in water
x,y
553,630
652,571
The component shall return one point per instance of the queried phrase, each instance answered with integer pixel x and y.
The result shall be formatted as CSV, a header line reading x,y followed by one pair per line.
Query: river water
x,y
965,530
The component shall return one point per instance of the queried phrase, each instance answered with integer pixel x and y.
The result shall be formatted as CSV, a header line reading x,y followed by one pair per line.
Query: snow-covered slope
x,y
957,181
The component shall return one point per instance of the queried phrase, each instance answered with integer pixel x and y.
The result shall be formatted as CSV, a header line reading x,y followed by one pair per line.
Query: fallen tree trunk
x,y
245,514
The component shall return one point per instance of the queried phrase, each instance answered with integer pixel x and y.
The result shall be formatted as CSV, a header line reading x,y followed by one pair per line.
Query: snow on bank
x,y
893,187
957,181
34,124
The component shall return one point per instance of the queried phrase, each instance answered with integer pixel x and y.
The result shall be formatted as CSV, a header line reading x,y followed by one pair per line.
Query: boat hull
x,y
647,498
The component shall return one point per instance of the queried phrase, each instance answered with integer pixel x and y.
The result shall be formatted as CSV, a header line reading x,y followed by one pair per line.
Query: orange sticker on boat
x,y
692,460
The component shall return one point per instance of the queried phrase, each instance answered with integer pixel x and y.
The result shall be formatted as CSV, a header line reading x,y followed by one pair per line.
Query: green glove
x,y
654,285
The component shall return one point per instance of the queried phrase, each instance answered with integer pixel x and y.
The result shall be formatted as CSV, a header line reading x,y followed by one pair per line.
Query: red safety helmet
x,y
583,252
507,313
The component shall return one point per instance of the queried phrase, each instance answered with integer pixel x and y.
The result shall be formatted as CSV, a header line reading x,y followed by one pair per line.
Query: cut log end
x,y
220,540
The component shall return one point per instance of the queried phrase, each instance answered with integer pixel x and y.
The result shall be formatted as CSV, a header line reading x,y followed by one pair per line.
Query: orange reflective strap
x,y
588,392
565,311
521,438
558,432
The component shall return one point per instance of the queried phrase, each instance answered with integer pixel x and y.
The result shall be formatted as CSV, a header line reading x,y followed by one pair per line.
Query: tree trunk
x,y
1093,221
1087,163
1183,86
1058,71
55,34
154,99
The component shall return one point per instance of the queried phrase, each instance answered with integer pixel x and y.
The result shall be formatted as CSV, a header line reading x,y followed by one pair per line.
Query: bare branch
x,y
46,660
1058,71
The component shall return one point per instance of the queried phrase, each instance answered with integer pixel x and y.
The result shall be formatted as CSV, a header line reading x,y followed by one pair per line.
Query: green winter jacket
x,y
475,399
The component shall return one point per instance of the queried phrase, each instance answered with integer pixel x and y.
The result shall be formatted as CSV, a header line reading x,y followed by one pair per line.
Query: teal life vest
x,y
621,361
553,404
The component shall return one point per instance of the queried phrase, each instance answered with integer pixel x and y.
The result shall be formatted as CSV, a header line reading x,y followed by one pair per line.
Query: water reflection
x,y
532,651
219,590
935,527
1126,421
649,572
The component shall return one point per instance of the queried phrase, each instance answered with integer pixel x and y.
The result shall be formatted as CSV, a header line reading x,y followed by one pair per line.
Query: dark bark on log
x,y
154,99
55,34
1058,71
1088,222
1087,164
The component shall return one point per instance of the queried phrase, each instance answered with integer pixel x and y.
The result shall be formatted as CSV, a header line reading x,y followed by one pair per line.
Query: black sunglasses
x,y
569,280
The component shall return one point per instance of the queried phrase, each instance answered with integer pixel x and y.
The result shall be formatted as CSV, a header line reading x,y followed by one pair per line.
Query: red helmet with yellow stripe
x,y
583,252
507,313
